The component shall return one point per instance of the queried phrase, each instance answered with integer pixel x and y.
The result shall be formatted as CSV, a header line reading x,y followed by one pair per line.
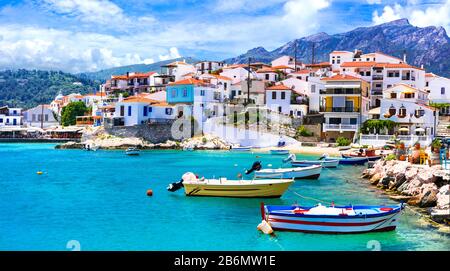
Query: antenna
x,y
313,52
248,81
295,55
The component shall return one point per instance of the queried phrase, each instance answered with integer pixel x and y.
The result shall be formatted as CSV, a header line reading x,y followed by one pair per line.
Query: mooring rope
x,y
310,198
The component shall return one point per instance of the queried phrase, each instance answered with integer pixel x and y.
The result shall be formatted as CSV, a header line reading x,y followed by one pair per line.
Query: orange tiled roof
x,y
281,67
188,81
266,70
302,72
221,77
342,77
430,75
141,75
136,99
278,87
358,64
119,77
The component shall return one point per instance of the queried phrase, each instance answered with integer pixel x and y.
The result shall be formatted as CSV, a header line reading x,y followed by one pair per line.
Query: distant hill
x,y
103,75
428,46
28,88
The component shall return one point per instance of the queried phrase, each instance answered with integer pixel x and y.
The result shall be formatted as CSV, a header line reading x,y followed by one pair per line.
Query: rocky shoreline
x,y
109,142
422,186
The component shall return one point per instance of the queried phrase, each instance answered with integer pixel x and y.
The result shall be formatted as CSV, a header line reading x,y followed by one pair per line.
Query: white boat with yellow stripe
x,y
222,187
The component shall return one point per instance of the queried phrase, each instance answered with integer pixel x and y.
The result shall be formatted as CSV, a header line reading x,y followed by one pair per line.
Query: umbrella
x,y
420,130
403,129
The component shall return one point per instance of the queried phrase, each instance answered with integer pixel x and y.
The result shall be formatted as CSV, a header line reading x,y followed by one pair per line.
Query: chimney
x,y
421,66
128,74
404,56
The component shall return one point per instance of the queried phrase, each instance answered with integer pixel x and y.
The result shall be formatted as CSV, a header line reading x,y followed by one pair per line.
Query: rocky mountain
x,y
102,75
427,46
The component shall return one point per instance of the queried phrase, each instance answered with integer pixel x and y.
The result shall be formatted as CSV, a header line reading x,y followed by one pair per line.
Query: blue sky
x,y
88,35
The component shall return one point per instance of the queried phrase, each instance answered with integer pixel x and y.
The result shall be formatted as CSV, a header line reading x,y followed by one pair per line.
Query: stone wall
x,y
152,132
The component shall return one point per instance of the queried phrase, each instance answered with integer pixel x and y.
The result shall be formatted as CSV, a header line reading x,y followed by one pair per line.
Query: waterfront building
x,y
344,103
137,110
175,71
10,117
222,83
268,75
203,67
41,116
133,83
439,89
278,99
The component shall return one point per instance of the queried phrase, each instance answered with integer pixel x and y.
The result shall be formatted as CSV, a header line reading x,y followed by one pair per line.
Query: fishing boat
x,y
369,158
353,160
332,219
188,148
324,161
240,148
132,151
222,187
310,172
368,153
279,152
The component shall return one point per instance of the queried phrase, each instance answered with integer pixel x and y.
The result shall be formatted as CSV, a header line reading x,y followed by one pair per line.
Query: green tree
x,y
70,112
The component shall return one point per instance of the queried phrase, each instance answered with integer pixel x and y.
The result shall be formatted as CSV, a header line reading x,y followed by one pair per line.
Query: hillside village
x,y
366,97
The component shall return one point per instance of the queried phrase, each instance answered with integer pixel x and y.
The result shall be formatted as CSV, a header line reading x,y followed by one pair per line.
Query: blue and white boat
x,y
332,219
279,152
132,151
324,161
240,148
311,172
353,160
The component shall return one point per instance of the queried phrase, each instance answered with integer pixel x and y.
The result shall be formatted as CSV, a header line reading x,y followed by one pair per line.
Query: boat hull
x,y
324,163
387,221
242,190
369,158
132,153
241,149
311,172
353,161
279,152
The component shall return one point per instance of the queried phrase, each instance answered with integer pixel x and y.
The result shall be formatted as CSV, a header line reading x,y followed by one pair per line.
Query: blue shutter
x,y
129,110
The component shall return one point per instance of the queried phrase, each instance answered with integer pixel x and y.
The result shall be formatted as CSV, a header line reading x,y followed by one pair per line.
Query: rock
x,y
413,188
70,145
403,187
440,215
428,199
384,182
400,198
375,178
411,173
426,176
414,201
443,197
399,180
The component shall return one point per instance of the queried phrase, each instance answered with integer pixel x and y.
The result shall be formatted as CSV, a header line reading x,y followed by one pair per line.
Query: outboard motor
x,y
175,186
291,157
255,167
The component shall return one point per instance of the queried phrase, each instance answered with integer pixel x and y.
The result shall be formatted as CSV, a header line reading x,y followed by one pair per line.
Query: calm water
x,y
99,199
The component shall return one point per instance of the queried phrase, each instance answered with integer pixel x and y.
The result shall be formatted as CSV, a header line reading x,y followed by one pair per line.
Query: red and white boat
x,y
332,219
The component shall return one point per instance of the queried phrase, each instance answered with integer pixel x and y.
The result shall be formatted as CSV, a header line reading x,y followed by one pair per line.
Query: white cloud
x,y
243,5
301,15
432,15
373,2
389,14
173,53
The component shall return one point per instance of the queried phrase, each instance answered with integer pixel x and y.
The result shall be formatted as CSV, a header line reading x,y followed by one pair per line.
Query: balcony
x,y
338,91
340,127
377,77
377,91
340,109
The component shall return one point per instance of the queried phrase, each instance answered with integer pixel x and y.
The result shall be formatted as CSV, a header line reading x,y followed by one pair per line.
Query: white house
x,y
267,75
222,83
137,110
406,105
208,66
287,61
178,70
238,74
439,89
10,117
278,98
41,116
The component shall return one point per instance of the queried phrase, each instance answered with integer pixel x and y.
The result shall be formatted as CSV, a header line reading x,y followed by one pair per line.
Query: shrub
x,y
342,141
204,140
390,157
302,131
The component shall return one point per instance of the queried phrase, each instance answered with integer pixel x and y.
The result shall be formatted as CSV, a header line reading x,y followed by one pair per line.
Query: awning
x,y
375,111
419,130
403,129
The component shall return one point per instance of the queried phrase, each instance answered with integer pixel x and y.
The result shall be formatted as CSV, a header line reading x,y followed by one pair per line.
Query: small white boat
x,y
279,152
309,172
332,219
222,187
240,148
188,148
132,151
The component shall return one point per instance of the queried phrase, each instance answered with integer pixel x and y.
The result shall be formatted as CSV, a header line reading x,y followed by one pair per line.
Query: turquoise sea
x,y
99,200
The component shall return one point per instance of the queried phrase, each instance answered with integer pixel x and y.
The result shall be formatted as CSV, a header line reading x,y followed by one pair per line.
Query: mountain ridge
x,y
428,46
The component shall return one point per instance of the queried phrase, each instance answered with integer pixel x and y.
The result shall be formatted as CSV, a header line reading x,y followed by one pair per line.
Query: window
x,y
338,61
427,84
39,117
334,121
283,95
225,86
353,121
368,73
442,90
332,61
33,117
150,109
313,88
145,111
174,93
202,93
122,110
267,76
168,111
185,92
393,95
46,117
129,110
274,95
1,120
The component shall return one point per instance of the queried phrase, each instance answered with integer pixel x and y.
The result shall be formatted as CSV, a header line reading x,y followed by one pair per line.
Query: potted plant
x,y
417,146
436,145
